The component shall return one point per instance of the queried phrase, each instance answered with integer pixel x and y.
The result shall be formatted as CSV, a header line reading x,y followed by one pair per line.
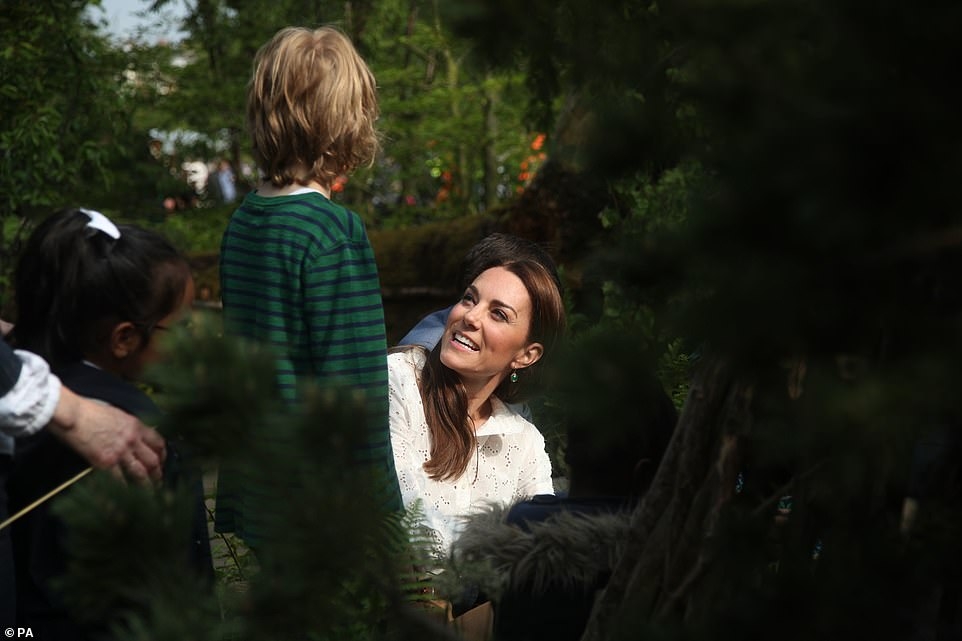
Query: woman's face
x,y
486,335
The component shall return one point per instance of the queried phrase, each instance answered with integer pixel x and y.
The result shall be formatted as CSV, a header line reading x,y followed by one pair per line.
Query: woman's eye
x,y
500,315
467,298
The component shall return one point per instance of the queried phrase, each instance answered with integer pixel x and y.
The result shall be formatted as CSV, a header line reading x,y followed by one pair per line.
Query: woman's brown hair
x,y
445,400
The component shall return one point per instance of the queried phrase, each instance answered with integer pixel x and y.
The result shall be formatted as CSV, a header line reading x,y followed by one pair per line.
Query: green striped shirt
x,y
298,274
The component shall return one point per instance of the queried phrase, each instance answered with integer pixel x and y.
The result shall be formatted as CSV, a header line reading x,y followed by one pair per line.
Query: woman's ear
x,y
125,339
528,357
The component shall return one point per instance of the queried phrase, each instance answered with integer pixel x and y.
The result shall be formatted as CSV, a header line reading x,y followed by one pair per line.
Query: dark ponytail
x,y
74,282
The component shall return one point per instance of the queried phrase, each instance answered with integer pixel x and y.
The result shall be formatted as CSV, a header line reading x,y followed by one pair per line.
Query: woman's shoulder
x,y
411,354
404,370
406,360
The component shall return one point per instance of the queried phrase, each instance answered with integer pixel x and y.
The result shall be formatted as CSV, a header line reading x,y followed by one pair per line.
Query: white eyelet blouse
x,y
511,462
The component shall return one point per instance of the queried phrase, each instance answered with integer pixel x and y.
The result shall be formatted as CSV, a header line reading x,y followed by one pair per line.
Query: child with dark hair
x,y
92,298
87,289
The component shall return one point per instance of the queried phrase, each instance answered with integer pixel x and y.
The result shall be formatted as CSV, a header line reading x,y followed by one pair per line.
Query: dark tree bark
x,y
667,556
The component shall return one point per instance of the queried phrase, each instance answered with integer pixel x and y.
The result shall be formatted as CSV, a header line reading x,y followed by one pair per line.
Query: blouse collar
x,y
503,420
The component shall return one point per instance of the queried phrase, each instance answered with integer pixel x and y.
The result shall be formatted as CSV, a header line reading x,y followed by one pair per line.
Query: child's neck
x,y
269,190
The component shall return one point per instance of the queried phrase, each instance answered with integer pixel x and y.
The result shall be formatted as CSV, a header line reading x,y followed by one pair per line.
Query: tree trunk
x,y
666,557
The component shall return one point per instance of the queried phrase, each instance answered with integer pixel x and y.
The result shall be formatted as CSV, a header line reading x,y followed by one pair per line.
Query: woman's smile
x,y
463,342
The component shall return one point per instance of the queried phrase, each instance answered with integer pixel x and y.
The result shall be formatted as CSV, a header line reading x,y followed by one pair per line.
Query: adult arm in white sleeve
x,y
105,436
30,403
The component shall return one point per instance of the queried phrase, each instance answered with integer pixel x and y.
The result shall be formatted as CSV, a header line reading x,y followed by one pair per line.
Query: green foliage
x,y
59,103
819,262
629,268
12,233
649,205
422,558
328,569
209,382
427,255
814,253
59,110
196,231
132,541
444,117
628,83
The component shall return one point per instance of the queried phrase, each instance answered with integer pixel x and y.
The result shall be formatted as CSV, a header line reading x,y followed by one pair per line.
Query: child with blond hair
x,y
297,269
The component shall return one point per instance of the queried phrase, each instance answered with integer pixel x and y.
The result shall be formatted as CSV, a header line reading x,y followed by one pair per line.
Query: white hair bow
x,y
102,223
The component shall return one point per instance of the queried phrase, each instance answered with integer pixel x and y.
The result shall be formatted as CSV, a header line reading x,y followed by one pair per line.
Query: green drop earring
x,y
514,377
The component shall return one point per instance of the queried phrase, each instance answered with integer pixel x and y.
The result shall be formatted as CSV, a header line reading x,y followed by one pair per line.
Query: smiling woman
x,y
457,445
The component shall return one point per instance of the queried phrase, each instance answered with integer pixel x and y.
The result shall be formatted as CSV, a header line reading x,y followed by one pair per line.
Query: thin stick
x,y
45,497
230,548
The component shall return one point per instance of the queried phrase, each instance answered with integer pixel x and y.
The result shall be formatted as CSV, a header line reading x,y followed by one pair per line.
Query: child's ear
x,y
125,339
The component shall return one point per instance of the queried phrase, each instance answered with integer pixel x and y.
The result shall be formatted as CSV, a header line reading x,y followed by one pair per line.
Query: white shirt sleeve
x,y
29,406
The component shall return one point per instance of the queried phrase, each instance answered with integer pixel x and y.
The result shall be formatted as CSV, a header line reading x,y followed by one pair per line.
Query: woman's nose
x,y
471,316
